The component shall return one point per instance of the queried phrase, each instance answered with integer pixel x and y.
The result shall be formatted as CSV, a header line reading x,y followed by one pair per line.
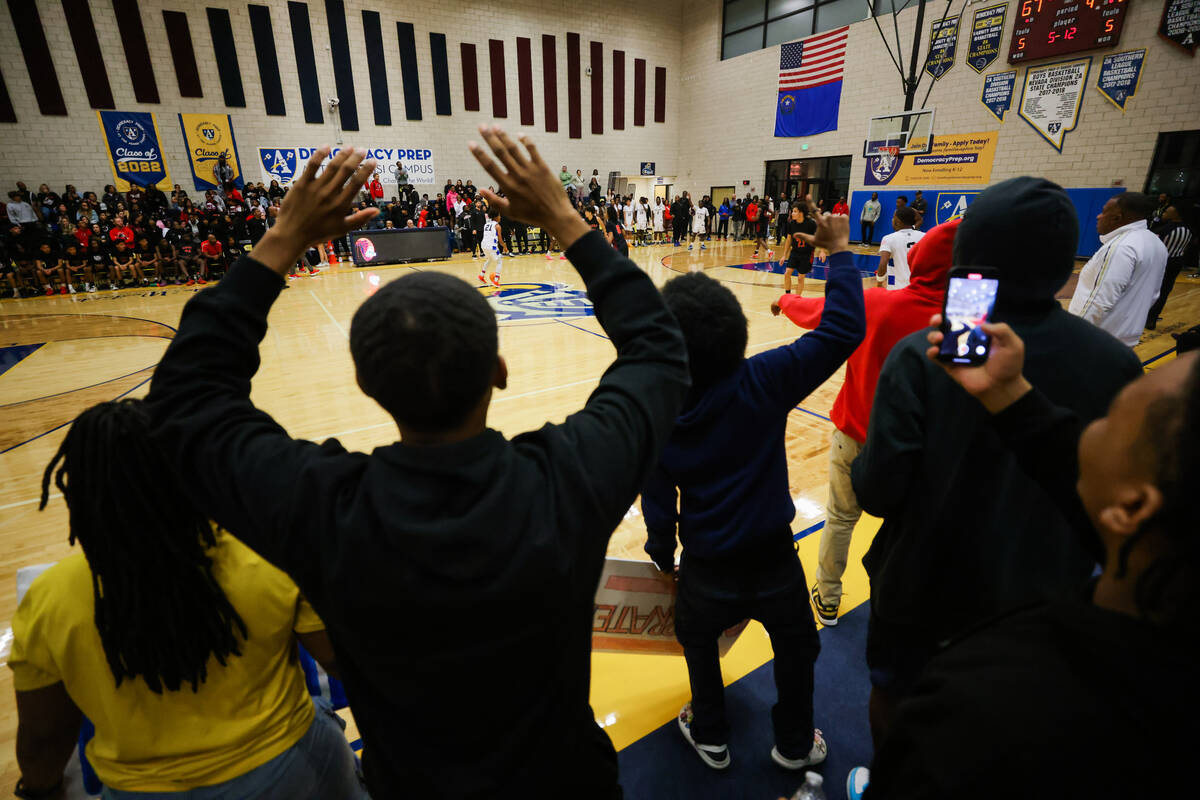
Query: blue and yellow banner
x,y
964,158
134,149
998,92
1120,75
212,150
987,28
943,43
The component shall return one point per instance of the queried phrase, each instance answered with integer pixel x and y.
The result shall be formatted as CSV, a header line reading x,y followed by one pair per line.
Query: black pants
x,y
468,241
723,227
521,234
768,586
868,231
1174,266
679,230
543,240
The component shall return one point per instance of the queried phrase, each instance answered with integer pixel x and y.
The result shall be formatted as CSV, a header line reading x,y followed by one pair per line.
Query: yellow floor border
x,y
633,695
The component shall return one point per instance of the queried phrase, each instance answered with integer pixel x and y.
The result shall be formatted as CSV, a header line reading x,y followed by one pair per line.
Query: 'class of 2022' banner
x,y
212,150
134,149
1120,75
987,28
943,43
964,158
283,164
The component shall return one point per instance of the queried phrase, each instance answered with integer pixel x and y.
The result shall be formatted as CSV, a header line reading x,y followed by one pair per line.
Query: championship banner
x,y
635,611
283,164
964,158
1120,75
134,149
1180,24
943,42
1052,96
987,28
212,150
998,92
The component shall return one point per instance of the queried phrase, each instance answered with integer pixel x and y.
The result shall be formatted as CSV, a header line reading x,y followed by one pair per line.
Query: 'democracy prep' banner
x,y
998,92
964,158
943,42
134,149
1120,75
212,150
987,27
1052,96
283,164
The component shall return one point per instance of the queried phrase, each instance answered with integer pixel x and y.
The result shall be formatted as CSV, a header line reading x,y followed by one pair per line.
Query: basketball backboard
x,y
906,133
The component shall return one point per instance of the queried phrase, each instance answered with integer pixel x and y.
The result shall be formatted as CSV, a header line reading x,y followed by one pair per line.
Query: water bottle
x,y
811,790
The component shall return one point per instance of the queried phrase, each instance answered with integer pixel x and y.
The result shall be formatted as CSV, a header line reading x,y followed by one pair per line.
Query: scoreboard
x,y
1049,28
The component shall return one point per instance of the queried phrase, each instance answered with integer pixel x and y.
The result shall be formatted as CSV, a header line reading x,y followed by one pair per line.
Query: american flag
x,y
814,61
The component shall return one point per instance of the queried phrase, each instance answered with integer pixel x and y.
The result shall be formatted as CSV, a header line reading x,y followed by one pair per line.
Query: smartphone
x,y
970,300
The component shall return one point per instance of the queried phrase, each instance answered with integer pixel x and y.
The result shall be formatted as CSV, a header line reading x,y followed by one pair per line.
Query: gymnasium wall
x,y
70,149
728,107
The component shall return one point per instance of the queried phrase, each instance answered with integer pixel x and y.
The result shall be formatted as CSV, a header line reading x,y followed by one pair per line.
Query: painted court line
x,y
332,319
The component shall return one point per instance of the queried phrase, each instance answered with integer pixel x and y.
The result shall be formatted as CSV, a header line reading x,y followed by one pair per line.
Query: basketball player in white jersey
x,y
660,232
627,213
699,214
894,247
641,221
491,247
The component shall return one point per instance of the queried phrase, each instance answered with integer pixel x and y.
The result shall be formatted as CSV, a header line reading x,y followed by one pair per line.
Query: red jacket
x,y
841,208
891,315
376,189
122,234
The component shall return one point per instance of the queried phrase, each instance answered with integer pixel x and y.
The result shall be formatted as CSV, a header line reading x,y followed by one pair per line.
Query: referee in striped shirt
x,y
1176,236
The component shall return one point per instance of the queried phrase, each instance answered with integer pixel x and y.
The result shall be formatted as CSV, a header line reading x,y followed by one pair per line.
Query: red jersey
x,y
841,208
83,236
122,234
211,249
752,212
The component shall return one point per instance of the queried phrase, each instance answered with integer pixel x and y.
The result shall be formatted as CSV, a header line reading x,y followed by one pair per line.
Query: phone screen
x,y
969,303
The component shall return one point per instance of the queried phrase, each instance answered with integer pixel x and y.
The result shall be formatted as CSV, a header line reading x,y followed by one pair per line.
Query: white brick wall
x,y
61,150
729,106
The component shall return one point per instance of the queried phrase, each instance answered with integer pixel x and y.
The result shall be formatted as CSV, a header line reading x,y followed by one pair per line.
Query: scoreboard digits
x,y
1048,28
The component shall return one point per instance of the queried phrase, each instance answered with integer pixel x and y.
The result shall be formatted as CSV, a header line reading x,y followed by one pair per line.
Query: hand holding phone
x,y
998,382
970,298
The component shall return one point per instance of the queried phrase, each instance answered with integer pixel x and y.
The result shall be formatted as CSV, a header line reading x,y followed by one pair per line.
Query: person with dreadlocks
x,y
1055,694
175,639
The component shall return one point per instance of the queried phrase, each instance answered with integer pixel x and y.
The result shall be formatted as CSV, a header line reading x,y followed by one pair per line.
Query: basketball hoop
x,y
891,152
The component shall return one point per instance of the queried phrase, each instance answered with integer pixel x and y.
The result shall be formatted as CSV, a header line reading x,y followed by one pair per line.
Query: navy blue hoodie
x,y
725,461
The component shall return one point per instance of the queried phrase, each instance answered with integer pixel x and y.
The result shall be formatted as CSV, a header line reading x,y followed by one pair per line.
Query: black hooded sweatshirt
x,y
967,534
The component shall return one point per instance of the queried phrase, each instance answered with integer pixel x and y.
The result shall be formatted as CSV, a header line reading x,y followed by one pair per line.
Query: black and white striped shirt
x,y
1177,237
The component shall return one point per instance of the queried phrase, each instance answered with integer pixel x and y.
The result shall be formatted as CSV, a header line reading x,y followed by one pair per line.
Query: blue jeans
x,y
320,765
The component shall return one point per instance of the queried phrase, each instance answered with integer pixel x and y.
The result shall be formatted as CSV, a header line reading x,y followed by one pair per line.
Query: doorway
x,y
721,193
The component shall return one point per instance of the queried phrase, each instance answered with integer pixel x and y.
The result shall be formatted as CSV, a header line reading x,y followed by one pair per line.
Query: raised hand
x,y
315,208
998,382
833,233
532,193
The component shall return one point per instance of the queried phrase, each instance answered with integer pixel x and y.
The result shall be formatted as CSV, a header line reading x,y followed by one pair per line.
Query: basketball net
x,y
887,156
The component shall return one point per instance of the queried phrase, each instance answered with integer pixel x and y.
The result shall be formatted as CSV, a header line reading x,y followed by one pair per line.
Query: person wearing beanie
x,y
966,534
1121,281
891,315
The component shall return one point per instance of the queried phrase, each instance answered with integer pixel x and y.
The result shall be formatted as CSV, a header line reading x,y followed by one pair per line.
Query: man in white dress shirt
x,y
1120,283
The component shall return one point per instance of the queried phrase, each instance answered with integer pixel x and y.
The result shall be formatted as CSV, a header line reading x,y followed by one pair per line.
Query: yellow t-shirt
x,y
243,715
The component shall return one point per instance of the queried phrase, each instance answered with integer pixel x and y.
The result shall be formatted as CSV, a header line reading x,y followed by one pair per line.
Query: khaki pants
x,y
842,512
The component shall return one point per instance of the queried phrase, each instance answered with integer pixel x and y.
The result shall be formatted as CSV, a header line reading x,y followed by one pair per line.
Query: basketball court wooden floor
x,y
60,355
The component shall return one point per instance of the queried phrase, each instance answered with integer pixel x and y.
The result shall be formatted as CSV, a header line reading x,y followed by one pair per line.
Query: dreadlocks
x,y
1166,591
159,610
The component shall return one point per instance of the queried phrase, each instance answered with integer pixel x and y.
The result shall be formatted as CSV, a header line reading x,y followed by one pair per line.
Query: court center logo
x,y
521,301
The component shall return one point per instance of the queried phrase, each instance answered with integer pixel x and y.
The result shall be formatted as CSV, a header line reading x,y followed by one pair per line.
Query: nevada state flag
x,y
810,84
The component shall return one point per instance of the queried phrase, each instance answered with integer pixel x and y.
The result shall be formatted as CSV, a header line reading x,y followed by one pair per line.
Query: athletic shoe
x,y
496,279
161,283
113,286
91,287
689,247
548,257
562,257
703,247
815,756
483,277
71,288
770,255
62,290
755,256
313,271
827,613
473,257
857,782
714,755
49,291
201,281
190,282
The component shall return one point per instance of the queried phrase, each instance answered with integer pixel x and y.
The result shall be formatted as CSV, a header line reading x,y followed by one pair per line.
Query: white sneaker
x,y
815,756
91,287
71,288
714,755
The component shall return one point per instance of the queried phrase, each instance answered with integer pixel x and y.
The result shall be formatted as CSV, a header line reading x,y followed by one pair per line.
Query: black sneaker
x,y
714,755
826,613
